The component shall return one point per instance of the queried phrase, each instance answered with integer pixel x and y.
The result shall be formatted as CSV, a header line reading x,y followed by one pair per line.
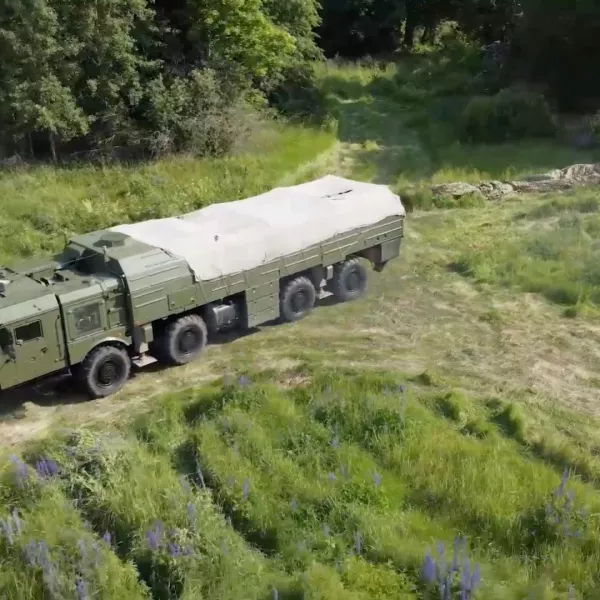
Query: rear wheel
x,y
297,299
183,340
104,371
349,280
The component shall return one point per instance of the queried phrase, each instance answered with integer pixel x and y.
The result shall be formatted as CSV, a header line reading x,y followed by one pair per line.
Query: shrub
x,y
202,114
299,96
508,115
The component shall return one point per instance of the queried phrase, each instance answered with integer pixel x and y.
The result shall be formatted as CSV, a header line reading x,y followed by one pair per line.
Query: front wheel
x,y
104,371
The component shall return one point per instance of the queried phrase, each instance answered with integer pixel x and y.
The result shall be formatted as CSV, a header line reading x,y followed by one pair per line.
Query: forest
x,y
140,78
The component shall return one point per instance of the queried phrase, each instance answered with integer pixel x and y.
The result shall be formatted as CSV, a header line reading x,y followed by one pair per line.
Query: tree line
x,y
157,76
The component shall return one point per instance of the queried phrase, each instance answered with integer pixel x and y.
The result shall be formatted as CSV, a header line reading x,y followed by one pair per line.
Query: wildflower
x,y
245,489
326,531
81,589
357,542
16,522
191,512
46,468
21,470
244,382
106,538
294,505
174,550
428,569
335,442
185,484
331,476
376,479
6,529
154,536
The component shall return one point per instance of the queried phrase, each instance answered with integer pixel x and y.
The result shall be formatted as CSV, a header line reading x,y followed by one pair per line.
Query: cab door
x,y
8,366
38,345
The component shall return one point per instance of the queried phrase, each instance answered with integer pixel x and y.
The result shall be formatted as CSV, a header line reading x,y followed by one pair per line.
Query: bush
x,y
509,115
299,96
200,114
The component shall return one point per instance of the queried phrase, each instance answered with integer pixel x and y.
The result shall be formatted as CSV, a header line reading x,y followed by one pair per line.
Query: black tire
x,y
183,340
104,371
349,280
297,299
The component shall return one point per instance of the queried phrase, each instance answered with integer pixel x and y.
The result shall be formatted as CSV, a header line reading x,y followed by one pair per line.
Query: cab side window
x,y
87,319
29,332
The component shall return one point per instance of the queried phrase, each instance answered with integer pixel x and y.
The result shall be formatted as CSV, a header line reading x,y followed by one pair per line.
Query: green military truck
x,y
158,290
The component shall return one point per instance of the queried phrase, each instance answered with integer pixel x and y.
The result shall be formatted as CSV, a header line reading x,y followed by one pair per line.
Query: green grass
x,y
43,206
333,489
321,479
551,249
400,119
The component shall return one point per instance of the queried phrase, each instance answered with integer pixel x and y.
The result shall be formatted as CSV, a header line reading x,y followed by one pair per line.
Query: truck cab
x,y
31,337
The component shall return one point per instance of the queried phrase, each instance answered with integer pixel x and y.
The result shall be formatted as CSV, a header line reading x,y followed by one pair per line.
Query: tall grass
x,y
342,487
43,206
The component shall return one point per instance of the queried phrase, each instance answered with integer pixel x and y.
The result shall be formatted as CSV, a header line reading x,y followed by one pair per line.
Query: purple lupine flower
x,y
428,569
244,382
376,479
245,489
81,592
154,536
18,527
6,530
185,484
357,542
560,490
191,512
174,550
331,476
106,538
294,505
21,470
46,468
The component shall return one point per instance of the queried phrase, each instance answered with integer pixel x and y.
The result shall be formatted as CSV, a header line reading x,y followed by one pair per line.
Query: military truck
x,y
159,290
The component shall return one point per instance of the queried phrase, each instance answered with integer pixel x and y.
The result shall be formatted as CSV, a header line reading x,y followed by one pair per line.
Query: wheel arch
x,y
108,341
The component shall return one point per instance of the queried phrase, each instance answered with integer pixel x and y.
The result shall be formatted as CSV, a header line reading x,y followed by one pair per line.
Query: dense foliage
x,y
149,76
155,76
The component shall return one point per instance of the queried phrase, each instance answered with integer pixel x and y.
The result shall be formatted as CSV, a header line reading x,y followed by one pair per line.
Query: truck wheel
x,y
349,280
104,371
297,299
183,340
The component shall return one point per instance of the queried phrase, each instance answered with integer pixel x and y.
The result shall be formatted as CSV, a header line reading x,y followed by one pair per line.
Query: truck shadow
x,y
49,392
59,390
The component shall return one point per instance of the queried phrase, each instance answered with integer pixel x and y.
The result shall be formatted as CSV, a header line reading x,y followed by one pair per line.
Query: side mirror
x,y
6,337
7,343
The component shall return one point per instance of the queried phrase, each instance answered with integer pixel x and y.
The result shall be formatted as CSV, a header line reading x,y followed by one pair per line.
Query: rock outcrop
x,y
556,180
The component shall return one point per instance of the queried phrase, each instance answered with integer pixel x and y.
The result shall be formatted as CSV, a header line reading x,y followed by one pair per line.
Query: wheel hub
x,y
353,281
188,341
299,301
108,373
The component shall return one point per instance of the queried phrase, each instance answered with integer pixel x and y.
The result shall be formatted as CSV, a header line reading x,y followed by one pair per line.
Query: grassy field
x,y
453,411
